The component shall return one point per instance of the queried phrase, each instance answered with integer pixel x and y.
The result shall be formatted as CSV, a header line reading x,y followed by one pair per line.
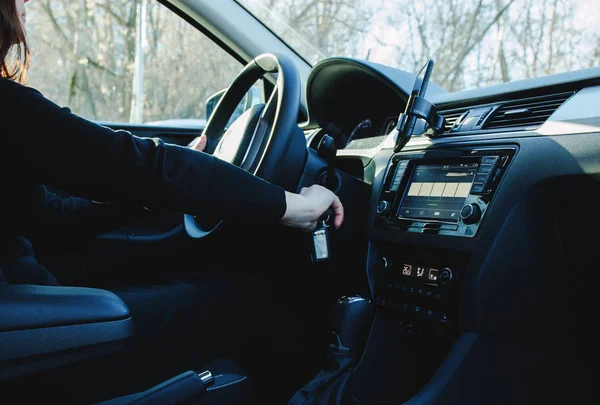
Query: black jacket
x,y
113,172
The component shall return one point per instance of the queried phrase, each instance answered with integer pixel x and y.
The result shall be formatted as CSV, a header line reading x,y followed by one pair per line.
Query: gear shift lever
x,y
352,319
353,316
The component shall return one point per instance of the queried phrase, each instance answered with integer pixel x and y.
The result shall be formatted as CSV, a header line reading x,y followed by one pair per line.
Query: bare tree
x,y
88,49
317,28
84,50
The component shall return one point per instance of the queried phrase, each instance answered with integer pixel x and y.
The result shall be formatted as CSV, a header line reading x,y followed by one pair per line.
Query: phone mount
x,y
418,107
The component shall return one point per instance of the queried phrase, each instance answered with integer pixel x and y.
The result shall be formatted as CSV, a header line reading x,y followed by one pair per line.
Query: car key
x,y
320,239
321,248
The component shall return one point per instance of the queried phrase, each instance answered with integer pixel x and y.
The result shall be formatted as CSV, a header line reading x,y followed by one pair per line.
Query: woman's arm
x,y
50,220
76,217
49,145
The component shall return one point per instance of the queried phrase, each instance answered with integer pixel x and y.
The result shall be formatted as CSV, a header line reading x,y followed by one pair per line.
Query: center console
x,y
444,193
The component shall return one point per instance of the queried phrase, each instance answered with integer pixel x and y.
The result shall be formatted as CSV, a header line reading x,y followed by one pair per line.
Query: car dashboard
x,y
478,229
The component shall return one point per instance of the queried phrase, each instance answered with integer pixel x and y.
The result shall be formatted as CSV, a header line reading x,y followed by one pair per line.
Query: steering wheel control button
x,y
383,207
446,275
470,214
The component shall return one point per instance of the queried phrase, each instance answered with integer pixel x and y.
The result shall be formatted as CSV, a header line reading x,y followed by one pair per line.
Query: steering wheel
x,y
265,140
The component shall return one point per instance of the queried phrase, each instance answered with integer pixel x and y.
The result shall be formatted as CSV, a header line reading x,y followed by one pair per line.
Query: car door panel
x,y
156,231
159,225
175,135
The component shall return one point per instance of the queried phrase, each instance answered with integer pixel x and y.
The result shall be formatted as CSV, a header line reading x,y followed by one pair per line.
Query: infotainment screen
x,y
437,191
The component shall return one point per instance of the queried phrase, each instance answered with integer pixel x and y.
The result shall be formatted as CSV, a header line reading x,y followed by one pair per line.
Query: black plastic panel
x,y
20,344
33,307
38,323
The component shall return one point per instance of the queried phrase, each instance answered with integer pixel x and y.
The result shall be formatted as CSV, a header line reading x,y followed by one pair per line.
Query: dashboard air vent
x,y
451,116
513,115
526,113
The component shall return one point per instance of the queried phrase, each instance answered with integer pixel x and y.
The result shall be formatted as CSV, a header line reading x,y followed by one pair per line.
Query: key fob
x,y
320,243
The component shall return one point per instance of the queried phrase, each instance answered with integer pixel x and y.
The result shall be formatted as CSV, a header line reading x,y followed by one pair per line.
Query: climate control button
x,y
446,275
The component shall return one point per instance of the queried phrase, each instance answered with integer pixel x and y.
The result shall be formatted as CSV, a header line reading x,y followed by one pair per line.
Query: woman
x,y
46,145
52,146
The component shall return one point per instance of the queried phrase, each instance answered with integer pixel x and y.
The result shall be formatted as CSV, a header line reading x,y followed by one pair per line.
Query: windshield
x,y
474,43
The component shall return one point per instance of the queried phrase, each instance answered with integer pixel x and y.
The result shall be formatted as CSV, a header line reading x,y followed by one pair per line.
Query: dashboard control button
x,y
433,274
481,178
421,272
383,207
397,179
485,169
446,275
477,188
441,317
470,213
489,160
383,263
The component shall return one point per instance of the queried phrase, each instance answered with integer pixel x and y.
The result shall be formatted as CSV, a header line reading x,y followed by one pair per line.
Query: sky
x,y
385,38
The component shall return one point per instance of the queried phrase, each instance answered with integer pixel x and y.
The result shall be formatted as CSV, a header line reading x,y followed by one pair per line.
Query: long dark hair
x,y
14,51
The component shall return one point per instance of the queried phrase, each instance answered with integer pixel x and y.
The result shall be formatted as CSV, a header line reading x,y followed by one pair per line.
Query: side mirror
x,y
251,98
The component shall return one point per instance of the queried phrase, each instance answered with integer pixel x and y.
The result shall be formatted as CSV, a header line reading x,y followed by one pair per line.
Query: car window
x,y
125,61
475,43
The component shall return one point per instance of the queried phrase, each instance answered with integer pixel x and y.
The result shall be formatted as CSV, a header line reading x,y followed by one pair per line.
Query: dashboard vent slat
x,y
534,104
538,110
501,120
521,125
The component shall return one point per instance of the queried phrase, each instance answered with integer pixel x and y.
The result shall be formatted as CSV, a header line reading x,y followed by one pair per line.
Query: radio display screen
x,y
437,191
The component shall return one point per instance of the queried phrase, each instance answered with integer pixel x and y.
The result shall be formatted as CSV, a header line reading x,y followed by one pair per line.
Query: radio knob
x,y
383,207
470,213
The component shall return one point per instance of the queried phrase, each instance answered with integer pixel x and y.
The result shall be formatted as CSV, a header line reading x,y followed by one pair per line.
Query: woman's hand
x,y
304,209
199,143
